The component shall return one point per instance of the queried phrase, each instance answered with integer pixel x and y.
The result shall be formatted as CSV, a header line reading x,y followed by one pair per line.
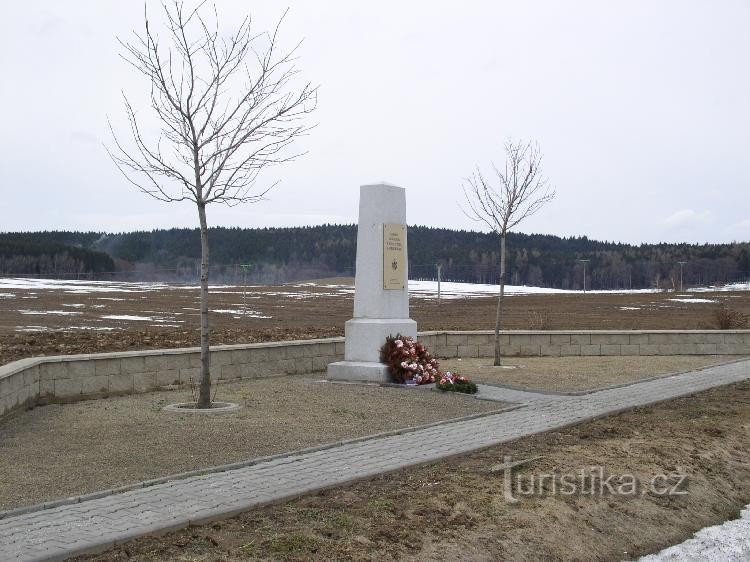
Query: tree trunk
x,y
500,298
204,395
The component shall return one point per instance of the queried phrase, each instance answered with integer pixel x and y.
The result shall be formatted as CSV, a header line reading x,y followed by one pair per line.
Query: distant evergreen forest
x,y
277,255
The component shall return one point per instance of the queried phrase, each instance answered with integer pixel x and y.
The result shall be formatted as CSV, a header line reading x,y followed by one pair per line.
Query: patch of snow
x,y
241,313
129,317
45,312
6,295
727,542
452,290
77,305
692,300
31,329
630,308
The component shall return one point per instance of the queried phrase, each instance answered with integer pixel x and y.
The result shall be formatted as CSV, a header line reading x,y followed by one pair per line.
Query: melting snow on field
x,y
727,542
692,300
240,313
6,295
54,312
129,317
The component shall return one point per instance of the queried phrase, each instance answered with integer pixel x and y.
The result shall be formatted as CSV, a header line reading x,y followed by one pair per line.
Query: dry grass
x,y
454,510
63,450
571,374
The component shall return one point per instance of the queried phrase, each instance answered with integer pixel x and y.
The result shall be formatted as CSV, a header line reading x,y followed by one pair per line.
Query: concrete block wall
x,y
600,342
70,378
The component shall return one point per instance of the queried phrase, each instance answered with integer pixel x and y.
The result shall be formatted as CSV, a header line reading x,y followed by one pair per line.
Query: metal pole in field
x,y
245,267
584,262
682,263
439,270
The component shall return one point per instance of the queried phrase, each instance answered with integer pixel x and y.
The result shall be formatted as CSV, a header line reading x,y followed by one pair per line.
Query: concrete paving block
x,y
95,385
183,375
449,351
731,338
551,350
229,372
53,370
130,365
669,348
320,364
340,348
105,367
30,376
649,349
706,348
559,339
530,350
46,388
228,357
487,350
519,339
580,339
656,338
119,384
453,339
68,388
480,339
591,349
285,366
467,351
611,349
731,349
81,368
162,378
637,338
295,351
570,350
141,382
509,350
303,365
630,349
326,349
610,339
159,363
707,337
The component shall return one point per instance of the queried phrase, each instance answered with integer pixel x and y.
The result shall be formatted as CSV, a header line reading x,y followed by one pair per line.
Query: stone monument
x,y
381,292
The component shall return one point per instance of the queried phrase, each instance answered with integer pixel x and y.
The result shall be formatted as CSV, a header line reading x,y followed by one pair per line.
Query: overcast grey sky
x,y
642,110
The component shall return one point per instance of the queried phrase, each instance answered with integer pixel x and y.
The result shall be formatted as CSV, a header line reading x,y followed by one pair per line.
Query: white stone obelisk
x,y
381,292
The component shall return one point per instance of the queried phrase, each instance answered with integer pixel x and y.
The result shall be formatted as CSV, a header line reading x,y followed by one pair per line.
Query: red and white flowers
x,y
409,361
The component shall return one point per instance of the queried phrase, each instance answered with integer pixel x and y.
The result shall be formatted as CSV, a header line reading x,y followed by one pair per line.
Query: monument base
x,y
364,338
358,371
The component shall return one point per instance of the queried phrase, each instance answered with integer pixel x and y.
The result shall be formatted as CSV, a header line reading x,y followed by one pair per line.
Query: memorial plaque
x,y
394,256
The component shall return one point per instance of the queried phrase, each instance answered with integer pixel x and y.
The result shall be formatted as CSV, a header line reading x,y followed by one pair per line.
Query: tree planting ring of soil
x,y
191,408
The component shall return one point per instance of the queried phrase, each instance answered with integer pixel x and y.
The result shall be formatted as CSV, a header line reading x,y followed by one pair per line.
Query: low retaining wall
x,y
588,342
41,380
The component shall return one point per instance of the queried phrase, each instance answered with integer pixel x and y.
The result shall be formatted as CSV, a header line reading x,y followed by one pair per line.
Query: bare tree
x,y
520,191
227,107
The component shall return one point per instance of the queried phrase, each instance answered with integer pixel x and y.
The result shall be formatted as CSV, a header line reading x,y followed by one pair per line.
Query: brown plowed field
x,y
66,321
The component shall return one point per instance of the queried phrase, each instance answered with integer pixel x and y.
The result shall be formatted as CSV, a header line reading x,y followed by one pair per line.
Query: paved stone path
x,y
97,524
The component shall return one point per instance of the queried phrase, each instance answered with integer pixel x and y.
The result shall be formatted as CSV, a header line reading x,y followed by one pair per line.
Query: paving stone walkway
x,y
96,524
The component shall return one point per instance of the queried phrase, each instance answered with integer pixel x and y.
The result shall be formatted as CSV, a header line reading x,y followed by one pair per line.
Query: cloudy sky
x,y
642,110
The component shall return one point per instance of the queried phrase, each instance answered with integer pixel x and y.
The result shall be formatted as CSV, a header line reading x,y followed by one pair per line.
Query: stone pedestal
x,y
378,311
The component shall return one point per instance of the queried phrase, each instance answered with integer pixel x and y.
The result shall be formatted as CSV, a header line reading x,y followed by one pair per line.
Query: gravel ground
x,y
455,509
570,374
64,450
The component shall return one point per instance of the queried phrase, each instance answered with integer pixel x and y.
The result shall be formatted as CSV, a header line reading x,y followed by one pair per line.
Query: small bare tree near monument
x,y
518,191
227,106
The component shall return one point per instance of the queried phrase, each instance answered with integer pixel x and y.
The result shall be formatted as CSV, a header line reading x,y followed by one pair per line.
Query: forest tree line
x,y
276,255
